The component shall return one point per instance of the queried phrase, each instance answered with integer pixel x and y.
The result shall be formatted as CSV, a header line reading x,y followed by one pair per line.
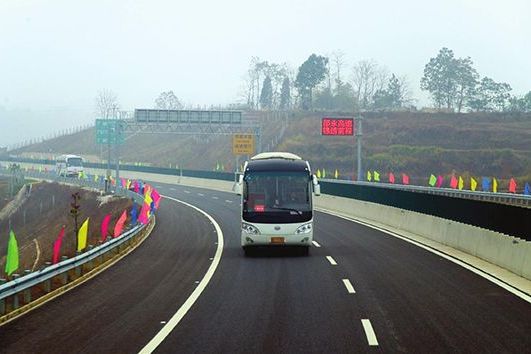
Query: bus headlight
x,y
304,229
250,229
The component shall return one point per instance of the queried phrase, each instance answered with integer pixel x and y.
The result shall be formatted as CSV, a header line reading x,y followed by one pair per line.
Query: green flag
x,y
433,180
369,176
12,254
376,176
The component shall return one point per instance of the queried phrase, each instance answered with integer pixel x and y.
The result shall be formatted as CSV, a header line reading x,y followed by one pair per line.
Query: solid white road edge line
x,y
463,264
331,260
349,286
316,244
369,332
177,317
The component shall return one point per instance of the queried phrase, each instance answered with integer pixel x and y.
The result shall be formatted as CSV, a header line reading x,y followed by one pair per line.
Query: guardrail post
x,y
64,276
2,301
27,292
15,296
48,283
90,263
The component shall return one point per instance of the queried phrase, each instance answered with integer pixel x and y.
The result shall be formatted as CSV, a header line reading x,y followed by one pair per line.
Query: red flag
x,y
143,217
512,186
124,182
405,179
105,227
440,180
453,182
120,224
136,186
391,177
156,197
57,246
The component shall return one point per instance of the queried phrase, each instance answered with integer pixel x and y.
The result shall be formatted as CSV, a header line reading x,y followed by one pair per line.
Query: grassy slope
x,y
416,143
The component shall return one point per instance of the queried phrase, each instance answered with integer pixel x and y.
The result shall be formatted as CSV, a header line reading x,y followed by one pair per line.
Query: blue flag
x,y
134,215
526,189
485,184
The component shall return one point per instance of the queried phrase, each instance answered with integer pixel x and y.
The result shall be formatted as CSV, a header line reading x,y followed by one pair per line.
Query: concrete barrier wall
x,y
509,252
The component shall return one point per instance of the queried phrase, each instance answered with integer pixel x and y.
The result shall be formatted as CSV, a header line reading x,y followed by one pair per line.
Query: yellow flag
x,y
494,185
473,184
376,177
336,174
369,176
128,183
82,236
461,183
96,178
324,173
318,173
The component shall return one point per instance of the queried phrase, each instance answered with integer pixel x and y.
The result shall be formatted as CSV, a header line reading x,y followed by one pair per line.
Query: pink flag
x,y
453,182
512,186
136,186
120,224
391,177
440,180
105,227
57,246
143,217
156,197
405,179
124,182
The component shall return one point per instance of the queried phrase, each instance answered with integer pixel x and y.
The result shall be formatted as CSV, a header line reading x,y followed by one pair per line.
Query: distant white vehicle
x,y
277,206
69,165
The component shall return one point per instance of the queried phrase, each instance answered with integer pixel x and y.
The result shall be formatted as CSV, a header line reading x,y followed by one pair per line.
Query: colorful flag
x,y
461,183
324,173
318,173
526,189
494,185
120,224
57,246
134,215
391,177
12,254
473,184
336,174
105,227
453,182
124,182
82,236
96,178
156,197
405,179
369,176
485,184
432,180
128,183
144,214
136,186
440,180
376,176
512,186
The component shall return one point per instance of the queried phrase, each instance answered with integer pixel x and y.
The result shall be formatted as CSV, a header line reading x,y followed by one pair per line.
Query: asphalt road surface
x,y
360,291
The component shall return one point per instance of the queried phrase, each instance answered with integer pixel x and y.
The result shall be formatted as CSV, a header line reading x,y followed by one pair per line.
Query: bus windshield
x,y
277,197
74,162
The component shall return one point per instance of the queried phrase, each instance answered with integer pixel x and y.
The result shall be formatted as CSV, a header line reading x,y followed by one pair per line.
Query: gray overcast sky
x,y
56,55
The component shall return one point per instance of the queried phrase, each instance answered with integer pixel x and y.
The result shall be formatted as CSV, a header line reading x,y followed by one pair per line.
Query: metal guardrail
x,y
25,283
503,198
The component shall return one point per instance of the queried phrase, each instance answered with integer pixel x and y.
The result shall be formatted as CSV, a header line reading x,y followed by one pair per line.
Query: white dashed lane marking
x,y
331,260
187,192
349,286
173,189
215,198
369,332
316,244
228,201
200,194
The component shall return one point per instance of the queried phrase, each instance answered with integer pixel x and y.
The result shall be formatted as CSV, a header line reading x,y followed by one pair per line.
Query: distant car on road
x,y
69,165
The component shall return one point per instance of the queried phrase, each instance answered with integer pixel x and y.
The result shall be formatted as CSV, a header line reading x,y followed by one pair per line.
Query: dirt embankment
x,y
37,219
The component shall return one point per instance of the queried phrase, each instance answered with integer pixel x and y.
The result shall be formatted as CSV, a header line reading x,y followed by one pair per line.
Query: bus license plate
x,y
277,240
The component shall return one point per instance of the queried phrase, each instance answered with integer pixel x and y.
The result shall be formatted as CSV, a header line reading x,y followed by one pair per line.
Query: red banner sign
x,y
337,126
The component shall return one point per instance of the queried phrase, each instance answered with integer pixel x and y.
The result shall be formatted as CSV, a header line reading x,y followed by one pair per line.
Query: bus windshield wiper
x,y
289,209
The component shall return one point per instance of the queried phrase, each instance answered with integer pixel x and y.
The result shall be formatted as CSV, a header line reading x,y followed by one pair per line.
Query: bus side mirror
x,y
316,186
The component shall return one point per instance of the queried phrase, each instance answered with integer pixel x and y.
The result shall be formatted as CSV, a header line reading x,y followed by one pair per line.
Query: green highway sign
x,y
110,131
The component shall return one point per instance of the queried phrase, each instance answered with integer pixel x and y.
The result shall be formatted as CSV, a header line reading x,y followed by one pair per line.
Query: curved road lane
x,y
121,309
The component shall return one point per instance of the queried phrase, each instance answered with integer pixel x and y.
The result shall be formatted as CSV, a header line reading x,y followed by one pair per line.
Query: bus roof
x,y
277,164
68,156
276,155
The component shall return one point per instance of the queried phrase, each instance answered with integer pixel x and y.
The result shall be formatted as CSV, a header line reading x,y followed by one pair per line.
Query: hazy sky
x,y
56,55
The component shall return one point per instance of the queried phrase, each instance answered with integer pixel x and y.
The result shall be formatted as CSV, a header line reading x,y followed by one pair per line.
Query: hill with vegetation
x,y
417,143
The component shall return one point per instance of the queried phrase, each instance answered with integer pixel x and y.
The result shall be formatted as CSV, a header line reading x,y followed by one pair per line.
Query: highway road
x,y
361,290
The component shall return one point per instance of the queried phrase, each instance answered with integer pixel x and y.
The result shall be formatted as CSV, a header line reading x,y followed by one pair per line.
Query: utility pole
x,y
359,135
74,212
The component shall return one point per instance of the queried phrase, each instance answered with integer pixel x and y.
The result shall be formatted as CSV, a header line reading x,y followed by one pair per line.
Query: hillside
x,y
418,143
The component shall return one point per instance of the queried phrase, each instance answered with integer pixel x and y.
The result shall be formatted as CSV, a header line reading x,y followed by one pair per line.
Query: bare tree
x,y
368,78
107,104
338,61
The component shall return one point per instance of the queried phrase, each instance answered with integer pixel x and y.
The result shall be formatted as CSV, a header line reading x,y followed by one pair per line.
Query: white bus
x,y
69,165
277,205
